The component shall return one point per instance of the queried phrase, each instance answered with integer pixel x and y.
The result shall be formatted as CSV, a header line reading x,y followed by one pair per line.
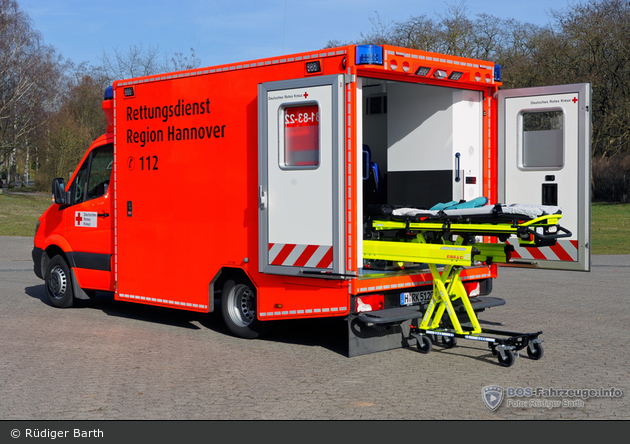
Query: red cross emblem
x,y
306,95
575,100
79,219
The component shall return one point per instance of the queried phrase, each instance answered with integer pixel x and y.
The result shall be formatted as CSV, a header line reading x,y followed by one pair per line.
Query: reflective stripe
x,y
564,250
146,299
296,255
306,311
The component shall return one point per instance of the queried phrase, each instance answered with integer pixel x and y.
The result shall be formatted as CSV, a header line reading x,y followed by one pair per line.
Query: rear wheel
x,y
449,342
59,283
238,306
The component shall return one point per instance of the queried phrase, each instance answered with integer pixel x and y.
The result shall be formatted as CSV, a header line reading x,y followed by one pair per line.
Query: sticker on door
x,y
85,219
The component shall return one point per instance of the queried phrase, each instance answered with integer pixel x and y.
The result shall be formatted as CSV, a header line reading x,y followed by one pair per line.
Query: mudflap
x,y
365,338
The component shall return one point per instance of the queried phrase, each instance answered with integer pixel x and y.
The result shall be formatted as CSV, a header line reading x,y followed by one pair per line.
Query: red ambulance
x,y
249,184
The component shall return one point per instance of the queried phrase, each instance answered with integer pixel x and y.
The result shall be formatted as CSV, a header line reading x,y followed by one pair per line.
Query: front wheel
x,y
59,283
238,307
424,344
508,359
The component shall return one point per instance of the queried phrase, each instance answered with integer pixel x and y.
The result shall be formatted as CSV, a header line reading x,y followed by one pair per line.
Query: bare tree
x,y
73,126
453,32
457,31
588,41
30,73
138,61
418,32
597,49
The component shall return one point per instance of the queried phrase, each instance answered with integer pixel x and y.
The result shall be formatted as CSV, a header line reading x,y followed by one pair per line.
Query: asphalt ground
x,y
109,360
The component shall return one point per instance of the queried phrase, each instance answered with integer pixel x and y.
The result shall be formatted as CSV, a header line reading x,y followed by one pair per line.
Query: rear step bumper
x,y
401,314
390,315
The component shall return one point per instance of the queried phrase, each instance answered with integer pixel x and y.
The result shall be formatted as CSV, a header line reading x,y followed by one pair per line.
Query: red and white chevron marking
x,y
296,255
564,250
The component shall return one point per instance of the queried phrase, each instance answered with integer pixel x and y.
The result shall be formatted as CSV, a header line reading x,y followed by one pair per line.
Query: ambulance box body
x,y
248,184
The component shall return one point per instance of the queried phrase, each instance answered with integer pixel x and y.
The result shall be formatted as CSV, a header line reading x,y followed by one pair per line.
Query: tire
x,y
424,344
509,358
58,282
238,307
538,351
449,342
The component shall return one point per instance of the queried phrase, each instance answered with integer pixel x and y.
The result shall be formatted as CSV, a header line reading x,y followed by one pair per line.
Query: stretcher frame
x,y
456,248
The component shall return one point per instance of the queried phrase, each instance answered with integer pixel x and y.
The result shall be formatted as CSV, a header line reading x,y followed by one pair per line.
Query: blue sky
x,y
237,30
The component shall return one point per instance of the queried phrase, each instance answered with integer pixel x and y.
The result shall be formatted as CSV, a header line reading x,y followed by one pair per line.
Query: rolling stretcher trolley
x,y
448,239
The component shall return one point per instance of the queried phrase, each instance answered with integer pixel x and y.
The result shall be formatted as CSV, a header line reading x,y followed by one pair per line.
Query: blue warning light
x,y
497,73
369,55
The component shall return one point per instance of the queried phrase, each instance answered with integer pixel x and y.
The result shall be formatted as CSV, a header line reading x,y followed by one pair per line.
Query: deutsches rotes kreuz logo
x,y
493,396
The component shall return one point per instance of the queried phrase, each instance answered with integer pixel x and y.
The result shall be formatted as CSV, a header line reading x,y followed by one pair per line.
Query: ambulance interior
x,y
422,144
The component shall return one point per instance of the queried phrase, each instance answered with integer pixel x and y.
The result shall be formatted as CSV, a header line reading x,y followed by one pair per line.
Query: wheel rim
x,y
57,282
242,305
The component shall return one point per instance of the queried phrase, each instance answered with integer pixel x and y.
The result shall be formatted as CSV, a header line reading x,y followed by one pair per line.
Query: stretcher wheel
x,y
508,360
448,342
537,351
424,344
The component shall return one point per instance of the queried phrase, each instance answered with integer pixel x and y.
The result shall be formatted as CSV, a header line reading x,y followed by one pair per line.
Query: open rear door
x,y
545,159
301,178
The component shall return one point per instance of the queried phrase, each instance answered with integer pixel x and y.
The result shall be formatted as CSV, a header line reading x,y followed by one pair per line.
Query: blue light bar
x,y
497,73
369,55
109,93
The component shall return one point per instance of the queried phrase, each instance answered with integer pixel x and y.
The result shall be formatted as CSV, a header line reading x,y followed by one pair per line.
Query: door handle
x,y
262,198
103,215
457,165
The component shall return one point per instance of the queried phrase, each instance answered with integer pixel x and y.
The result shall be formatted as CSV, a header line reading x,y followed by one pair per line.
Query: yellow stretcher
x,y
450,240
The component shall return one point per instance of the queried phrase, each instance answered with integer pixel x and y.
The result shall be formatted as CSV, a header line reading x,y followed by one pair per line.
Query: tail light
x,y
372,302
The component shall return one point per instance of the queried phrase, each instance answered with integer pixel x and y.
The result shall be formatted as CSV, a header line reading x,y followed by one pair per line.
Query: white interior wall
x,y
419,127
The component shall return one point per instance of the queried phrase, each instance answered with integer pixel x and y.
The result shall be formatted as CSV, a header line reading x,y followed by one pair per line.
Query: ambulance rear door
x,y
301,176
545,159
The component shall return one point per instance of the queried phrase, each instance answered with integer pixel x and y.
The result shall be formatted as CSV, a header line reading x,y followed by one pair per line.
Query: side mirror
x,y
59,191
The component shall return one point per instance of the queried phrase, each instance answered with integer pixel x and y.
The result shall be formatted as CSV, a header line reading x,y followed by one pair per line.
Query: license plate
x,y
416,297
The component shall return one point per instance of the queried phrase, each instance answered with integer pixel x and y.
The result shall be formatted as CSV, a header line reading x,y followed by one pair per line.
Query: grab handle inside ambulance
x,y
457,162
